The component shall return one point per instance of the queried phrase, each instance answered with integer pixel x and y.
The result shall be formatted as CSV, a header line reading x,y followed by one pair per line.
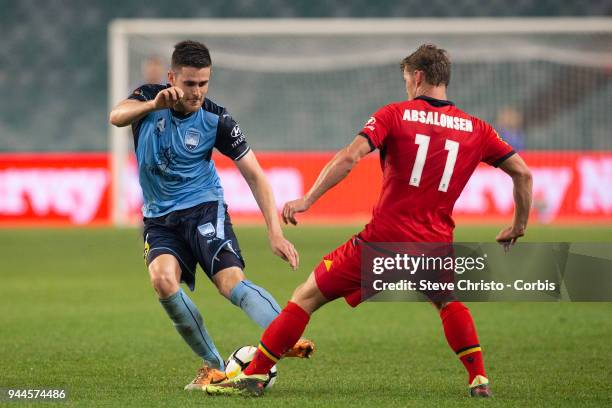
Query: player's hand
x,y
168,98
293,207
508,236
285,250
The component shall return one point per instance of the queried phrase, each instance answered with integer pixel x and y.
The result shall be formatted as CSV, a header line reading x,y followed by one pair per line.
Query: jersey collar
x,y
180,115
438,103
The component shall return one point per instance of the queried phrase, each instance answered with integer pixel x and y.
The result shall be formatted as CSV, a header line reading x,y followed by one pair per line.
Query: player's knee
x,y
225,280
308,297
299,294
164,285
163,281
225,290
164,272
440,305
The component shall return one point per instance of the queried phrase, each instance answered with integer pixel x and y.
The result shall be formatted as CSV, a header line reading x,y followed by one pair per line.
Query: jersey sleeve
x,y
495,150
146,92
378,127
230,141
143,93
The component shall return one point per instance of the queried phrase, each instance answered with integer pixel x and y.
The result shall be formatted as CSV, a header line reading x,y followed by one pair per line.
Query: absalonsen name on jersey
x,y
438,119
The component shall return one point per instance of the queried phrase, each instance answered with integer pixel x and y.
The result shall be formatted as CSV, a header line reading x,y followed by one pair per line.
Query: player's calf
x,y
461,335
165,272
258,304
189,323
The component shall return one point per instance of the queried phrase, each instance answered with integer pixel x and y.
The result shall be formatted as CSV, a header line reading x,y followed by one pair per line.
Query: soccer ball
x,y
240,359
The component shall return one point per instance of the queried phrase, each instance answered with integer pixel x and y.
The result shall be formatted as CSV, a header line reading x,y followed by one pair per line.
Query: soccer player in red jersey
x,y
429,148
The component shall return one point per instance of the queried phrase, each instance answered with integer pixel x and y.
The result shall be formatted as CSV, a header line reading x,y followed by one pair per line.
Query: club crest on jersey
x,y
207,230
192,139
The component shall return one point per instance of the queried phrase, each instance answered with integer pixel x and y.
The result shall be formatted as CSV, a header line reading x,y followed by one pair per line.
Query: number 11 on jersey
x,y
419,162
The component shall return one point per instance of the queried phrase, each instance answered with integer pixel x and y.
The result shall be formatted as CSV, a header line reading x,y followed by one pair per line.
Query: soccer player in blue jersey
x,y
175,129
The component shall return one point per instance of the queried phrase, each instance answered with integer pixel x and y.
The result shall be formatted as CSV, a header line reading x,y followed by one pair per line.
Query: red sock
x,y
462,338
279,337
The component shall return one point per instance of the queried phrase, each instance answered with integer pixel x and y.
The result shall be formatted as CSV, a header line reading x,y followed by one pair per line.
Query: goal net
x,y
310,84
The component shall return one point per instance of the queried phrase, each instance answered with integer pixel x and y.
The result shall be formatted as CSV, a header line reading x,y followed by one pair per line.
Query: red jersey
x,y
428,151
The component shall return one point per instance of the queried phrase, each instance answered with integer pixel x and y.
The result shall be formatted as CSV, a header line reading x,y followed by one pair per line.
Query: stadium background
x,y
76,308
56,55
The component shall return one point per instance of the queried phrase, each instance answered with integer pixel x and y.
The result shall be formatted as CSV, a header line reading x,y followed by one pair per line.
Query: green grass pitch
x,y
77,312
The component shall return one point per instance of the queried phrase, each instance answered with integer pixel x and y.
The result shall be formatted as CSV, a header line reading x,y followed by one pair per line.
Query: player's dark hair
x,y
191,54
433,61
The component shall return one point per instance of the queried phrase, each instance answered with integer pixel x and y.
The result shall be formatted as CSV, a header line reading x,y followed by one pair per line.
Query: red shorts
x,y
339,274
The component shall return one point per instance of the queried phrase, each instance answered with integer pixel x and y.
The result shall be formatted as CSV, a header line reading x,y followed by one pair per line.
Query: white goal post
x,y
323,53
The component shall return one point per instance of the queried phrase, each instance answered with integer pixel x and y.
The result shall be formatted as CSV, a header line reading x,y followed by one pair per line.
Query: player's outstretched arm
x,y
130,110
262,191
333,173
516,168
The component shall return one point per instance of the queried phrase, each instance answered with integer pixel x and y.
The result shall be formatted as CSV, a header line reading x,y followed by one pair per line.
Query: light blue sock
x,y
190,325
256,302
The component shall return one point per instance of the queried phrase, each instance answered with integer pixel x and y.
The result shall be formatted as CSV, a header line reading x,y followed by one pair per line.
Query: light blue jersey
x,y
174,153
